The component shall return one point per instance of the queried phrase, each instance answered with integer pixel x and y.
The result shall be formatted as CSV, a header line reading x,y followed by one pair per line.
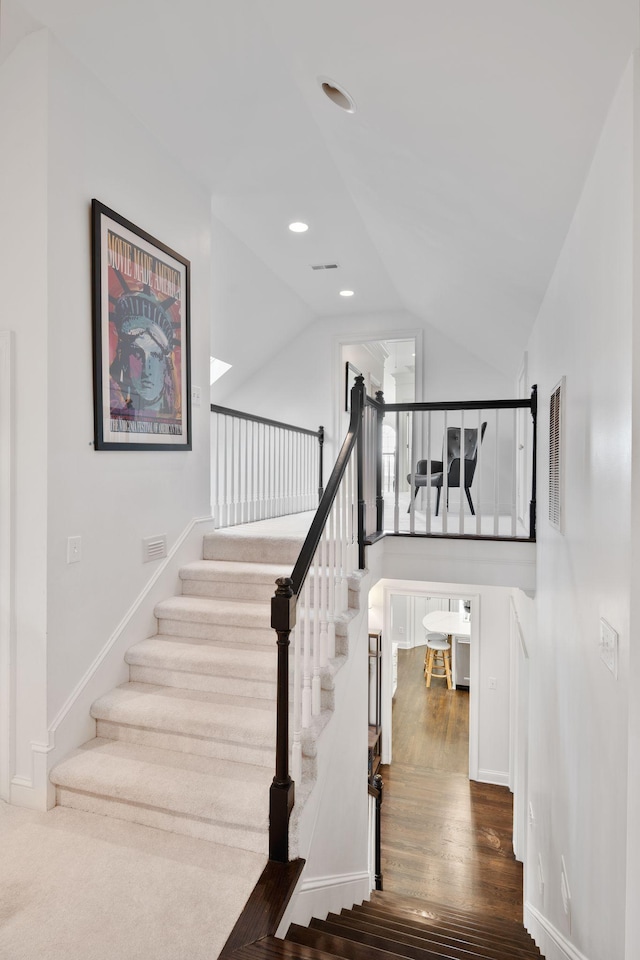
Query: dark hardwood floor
x,y
444,838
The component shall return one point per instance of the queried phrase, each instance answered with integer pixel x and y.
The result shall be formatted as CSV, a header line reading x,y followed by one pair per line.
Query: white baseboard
x,y
499,777
552,944
318,896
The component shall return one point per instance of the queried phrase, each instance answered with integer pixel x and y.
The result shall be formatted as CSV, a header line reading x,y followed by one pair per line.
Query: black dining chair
x,y
436,477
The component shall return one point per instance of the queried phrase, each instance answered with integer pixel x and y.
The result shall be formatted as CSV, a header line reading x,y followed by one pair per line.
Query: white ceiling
x,y
448,193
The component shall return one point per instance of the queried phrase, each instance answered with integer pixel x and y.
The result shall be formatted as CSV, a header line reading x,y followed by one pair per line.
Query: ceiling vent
x,y
154,548
324,266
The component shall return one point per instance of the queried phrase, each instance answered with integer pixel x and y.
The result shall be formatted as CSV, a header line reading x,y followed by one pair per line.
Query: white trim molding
x,y
318,896
7,625
498,777
552,944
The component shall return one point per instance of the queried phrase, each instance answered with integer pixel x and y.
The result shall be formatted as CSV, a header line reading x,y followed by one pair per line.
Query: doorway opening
x,y
431,706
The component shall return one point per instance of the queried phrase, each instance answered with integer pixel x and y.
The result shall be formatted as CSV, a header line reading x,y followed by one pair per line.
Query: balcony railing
x,y
262,468
460,469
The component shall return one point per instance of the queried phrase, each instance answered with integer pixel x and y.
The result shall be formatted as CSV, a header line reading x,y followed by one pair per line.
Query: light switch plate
x,y
609,646
196,396
74,549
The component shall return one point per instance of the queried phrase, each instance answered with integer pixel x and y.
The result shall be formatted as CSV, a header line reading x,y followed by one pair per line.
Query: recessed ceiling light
x,y
346,293
337,94
298,227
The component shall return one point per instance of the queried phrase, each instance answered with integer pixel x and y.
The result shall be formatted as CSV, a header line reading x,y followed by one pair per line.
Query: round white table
x,y
453,625
449,622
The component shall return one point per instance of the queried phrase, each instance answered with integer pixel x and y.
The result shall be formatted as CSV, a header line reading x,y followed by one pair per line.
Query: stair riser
x,y
256,689
202,746
250,549
216,631
239,590
228,589
165,820
227,633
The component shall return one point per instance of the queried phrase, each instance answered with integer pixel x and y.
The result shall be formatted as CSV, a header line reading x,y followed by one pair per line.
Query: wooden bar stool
x,y
438,658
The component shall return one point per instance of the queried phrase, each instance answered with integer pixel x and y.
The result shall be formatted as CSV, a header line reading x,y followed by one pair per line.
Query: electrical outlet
x,y
74,549
609,646
401,631
493,683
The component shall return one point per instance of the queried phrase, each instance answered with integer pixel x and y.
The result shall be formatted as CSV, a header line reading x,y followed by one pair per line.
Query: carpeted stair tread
x,y
189,712
182,784
233,545
169,653
519,945
247,613
455,947
231,570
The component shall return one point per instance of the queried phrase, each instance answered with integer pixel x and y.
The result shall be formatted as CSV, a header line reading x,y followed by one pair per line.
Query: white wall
x,y
305,379
253,313
23,278
85,144
578,741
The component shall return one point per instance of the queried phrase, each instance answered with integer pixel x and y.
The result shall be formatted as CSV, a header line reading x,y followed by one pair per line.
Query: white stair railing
x,y
262,468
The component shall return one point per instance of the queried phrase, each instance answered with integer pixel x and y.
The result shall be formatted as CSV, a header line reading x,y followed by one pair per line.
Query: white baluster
x,y
428,514
444,498
342,599
331,583
320,588
306,666
296,747
315,683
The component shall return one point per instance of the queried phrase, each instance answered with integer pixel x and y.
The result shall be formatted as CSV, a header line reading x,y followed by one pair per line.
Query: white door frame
x,y
422,590
7,632
337,378
519,734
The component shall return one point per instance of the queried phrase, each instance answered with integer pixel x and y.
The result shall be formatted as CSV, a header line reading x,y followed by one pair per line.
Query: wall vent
x,y
154,548
324,266
556,414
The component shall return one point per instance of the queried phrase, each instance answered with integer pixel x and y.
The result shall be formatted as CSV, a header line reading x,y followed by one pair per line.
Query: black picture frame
x,y
141,338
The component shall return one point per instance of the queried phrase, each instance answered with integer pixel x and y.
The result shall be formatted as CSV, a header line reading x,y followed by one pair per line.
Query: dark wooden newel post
x,y
281,794
378,784
358,395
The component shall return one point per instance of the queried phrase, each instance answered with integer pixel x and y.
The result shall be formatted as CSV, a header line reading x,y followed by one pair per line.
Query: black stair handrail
x,y
283,620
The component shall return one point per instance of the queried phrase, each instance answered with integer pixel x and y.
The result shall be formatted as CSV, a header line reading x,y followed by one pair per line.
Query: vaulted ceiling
x,y
447,193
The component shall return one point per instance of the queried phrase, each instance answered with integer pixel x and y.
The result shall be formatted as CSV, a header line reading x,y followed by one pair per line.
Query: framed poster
x,y
142,383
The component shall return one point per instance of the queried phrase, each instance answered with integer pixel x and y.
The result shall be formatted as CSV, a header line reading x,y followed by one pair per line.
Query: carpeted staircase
x,y
188,745
389,926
